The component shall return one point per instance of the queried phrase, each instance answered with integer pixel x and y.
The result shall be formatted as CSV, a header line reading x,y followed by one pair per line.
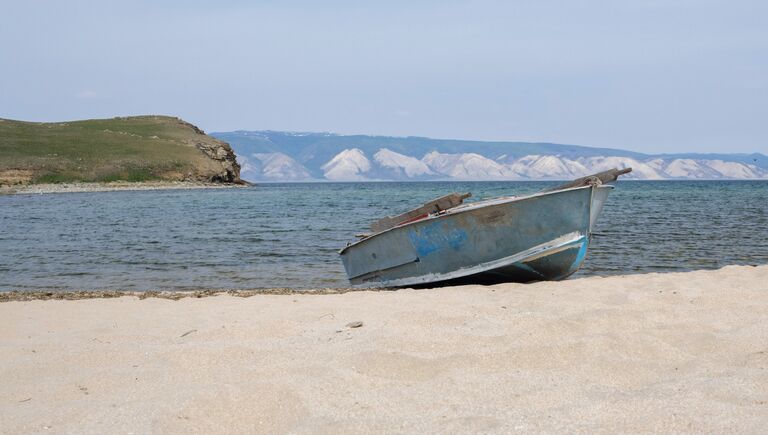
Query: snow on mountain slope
x,y
688,168
468,166
536,166
401,164
281,167
271,167
656,164
353,165
348,165
736,170
705,169
416,158
248,171
640,170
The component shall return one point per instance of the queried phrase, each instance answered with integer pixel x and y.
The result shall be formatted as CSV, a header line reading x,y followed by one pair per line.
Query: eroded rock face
x,y
13,177
221,153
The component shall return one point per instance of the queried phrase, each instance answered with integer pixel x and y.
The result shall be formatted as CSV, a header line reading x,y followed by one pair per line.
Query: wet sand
x,y
685,352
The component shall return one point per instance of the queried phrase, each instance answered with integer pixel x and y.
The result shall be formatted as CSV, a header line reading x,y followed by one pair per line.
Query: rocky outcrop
x,y
12,177
136,149
220,152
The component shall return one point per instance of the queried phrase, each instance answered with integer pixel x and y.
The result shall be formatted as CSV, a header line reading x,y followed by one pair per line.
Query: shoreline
x,y
74,295
55,294
681,352
113,186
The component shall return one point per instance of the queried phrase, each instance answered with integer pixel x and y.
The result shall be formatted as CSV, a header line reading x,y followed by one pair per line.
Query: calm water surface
x,y
288,235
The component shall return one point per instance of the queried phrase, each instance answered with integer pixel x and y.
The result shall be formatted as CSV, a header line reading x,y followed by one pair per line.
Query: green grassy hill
x,y
139,148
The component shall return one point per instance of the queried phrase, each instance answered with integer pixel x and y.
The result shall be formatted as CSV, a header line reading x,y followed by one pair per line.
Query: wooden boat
x,y
542,236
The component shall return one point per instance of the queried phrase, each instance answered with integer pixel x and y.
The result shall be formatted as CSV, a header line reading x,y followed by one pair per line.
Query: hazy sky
x,y
646,75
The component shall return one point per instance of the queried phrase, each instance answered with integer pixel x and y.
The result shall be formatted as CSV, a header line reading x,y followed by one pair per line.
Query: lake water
x,y
288,235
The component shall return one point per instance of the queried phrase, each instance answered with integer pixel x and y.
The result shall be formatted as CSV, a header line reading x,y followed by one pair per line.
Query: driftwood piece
x,y
602,177
434,206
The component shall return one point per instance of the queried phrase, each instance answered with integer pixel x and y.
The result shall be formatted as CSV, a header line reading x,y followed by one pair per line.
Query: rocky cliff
x,y
218,151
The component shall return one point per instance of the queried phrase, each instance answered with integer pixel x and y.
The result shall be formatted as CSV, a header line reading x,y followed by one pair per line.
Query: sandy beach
x,y
676,352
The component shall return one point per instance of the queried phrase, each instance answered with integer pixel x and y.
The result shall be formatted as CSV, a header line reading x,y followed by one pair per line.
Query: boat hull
x,y
539,237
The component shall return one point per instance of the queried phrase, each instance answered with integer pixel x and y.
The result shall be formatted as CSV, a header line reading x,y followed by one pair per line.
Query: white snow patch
x,y
657,164
348,165
248,171
279,166
548,166
688,168
640,170
736,169
411,166
467,166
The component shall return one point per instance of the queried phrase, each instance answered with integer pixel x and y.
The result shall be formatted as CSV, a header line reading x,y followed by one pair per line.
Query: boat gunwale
x,y
473,206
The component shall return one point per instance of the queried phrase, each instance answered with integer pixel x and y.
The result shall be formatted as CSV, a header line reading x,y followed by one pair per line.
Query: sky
x,y
645,75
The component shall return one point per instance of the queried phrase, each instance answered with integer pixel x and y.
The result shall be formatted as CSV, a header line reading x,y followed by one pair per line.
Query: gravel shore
x,y
39,189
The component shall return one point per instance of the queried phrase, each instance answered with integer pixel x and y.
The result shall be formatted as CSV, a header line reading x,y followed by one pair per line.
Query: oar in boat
x,y
601,177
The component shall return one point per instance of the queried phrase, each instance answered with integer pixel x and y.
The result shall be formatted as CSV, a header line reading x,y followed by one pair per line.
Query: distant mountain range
x,y
294,156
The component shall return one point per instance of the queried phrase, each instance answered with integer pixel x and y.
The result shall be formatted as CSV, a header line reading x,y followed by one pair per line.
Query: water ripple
x,y
288,235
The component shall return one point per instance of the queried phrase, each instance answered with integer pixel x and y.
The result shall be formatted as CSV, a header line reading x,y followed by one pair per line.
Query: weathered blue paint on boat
x,y
544,236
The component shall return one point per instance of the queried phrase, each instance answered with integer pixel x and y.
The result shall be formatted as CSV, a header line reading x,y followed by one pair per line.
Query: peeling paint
x,y
436,236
